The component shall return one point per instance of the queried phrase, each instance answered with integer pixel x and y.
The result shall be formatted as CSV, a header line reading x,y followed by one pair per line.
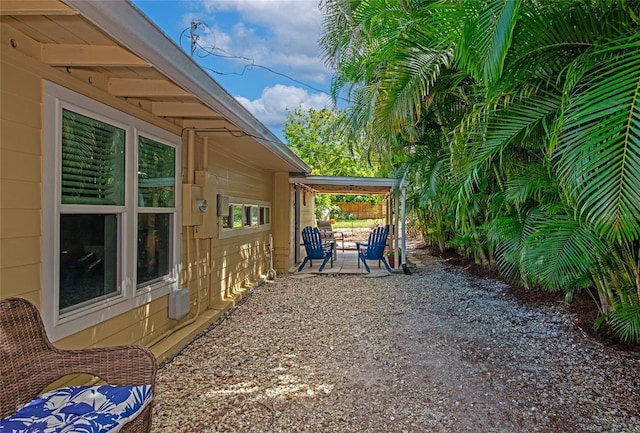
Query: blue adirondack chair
x,y
374,248
316,248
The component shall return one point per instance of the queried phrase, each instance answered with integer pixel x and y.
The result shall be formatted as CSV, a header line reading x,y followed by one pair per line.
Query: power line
x,y
211,51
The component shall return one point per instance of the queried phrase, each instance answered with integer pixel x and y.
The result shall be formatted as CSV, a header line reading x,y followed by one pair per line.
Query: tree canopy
x,y
315,136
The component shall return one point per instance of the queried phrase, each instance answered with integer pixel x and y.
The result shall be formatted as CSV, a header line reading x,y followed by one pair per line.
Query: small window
x,y
227,221
251,215
265,215
236,214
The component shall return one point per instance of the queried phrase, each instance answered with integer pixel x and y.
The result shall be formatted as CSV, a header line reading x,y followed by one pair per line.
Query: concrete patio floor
x,y
346,262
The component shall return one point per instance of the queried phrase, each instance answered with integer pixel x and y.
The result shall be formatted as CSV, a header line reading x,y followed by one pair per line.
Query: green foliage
x,y
314,135
519,135
334,211
625,317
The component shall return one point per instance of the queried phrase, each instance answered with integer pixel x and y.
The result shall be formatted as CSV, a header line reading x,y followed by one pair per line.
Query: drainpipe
x,y
191,172
396,224
189,233
296,223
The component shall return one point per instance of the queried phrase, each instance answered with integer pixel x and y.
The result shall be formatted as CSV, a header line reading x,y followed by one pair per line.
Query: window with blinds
x,y
111,230
93,158
156,173
156,203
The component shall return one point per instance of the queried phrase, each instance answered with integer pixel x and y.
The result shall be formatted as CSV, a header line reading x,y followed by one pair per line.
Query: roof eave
x,y
130,27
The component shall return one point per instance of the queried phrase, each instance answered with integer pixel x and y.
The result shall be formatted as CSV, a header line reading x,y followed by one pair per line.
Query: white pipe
x,y
191,177
189,321
396,220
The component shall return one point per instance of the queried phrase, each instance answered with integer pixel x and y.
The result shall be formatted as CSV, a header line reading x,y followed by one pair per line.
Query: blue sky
x,y
281,35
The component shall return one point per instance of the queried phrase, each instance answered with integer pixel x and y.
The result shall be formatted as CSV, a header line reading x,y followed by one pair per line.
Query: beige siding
x,y
239,261
217,272
23,281
14,136
19,223
20,178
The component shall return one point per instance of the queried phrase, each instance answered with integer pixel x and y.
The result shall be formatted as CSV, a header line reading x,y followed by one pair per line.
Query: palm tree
x,y
578,105
554,88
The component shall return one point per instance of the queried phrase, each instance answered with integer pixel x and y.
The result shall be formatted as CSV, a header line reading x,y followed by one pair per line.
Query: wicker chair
x,y
29,362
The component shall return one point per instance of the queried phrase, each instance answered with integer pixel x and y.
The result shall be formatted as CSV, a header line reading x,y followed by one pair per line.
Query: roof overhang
x,y
115,47
350,185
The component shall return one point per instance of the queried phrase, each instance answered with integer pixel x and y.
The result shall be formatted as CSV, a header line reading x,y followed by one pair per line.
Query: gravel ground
x,y
436,351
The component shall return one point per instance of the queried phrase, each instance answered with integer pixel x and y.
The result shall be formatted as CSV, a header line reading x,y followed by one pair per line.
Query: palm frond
x,y
534,183
487,37
598,147
561,251
625,321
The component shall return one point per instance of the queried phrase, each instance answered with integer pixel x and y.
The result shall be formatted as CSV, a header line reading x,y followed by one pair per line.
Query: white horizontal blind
x,y
156,174
92,161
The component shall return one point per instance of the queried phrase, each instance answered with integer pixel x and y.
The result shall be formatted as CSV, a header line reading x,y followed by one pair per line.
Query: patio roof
x,y
349,185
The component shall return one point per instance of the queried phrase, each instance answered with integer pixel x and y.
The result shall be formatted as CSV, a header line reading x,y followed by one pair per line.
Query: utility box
x,y
179,301
191,215
209,226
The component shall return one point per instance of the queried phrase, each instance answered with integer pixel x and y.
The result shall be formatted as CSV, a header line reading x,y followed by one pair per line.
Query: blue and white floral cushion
x,y
80,409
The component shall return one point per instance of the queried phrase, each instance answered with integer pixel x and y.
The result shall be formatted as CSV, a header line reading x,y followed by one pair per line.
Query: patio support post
x,y
404,226
396,227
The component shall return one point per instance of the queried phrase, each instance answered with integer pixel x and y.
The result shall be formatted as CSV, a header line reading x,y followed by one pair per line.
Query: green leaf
x,y
598,148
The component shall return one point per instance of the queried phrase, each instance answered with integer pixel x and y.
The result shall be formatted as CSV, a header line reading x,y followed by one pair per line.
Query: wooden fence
x,y
362,211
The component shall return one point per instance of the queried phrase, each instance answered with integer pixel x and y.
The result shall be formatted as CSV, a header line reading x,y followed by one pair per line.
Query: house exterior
x,y
137,197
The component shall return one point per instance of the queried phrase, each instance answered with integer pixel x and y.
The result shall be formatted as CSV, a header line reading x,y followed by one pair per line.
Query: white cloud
x,y
280,35
274,33
271,108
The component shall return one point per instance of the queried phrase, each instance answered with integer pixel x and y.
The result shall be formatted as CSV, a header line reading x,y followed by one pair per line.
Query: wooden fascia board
x,y
35,7
135,87
89,55
211,123
182,109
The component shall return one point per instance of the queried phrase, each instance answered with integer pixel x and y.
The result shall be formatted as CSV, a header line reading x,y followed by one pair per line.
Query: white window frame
x,y
243,229
128,296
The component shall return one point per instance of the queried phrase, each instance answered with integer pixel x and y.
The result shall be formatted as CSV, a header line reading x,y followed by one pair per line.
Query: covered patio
x,y
394,191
